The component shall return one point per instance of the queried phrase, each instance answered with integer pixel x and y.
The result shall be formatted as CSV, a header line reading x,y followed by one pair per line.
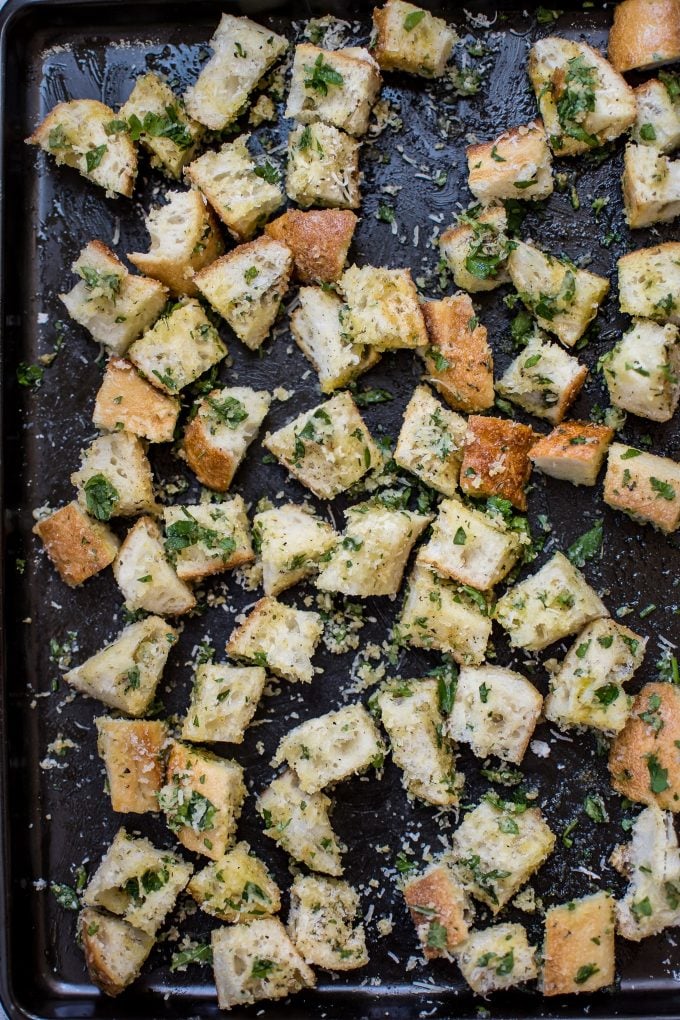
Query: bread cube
x,y
323,167
642,371
496,459
458,359
497,849
299,822
247,286
430,442
115,952
207,538
476,248
278,637
649,280
578,951
411,39
543,380
328,449
643,759
218,436
658,117
77,133
223,701
145,575
564,299
138,882
573,452
131,750
382,308
469,546
255,962
644,486
242,198
114,306
583,101
236,888
184,238
158,120
410,712
127,402
291,542
319,241
317,329
321,923
496,958
115,478
587,687
446,616
338,87
125,674
436,900
550,605
495,712
651,862
78,546
178,349
651,186
371,556
331,747
517,164
645,34
243,52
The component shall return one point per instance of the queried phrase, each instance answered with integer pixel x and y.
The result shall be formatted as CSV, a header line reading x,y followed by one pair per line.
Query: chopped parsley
x,y
321,75
658,776
101,497
93,157
200,953
412,19
587,546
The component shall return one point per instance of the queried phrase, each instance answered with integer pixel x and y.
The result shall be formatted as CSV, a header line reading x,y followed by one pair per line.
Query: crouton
x,y
239,191
543,380
476,248
125,674
131,750
247,286
319,241
443,615
331,747
370,557
651,862
223,701
243,52
178,349
78,546
642,370
127,402
578,951
145,575
430,443
649,280
115,952
437,901
299,822
496,958
255,962
496,459
207,538
114,306
153,115
644,486
327,449
410,712
643,760
236,888
291,541
218,436
517,164
78,133
658,116
564,299
115,478
587,687
651,186
645,34
184,238
382,308
411,39
583,101
338,87
573,452
495,712
278,637
323,167
458,359
321,923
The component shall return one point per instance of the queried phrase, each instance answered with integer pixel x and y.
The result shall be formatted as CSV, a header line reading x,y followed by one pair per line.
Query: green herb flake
x,y
412,19
101,497
587,546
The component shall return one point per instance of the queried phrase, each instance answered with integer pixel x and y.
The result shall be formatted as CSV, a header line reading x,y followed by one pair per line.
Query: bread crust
x,y
645,34
319,240
213,467
573,451
437,890
466,381
496,459
131,750
646,742
125,397
78,546
579,936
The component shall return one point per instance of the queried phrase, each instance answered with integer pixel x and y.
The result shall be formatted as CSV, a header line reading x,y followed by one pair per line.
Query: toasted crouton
x,y
476,249
323,167
496,958
644,761
382,308
299,822
338,87
247,286
578,951
583,101
145,575
651,186
217,437
223,701
115,478
430,442
517,164
322,925
115,952
645,34
181,346
207,538
76,134
243,51
127,402
644,486
543,379
125,674
651,862
114,306
458,360
278,637
642,371
410,39
291,541
131,750
649,282
436,900
658,116
496,459
78,546
255,962
319,240
573,452
153,114
237,887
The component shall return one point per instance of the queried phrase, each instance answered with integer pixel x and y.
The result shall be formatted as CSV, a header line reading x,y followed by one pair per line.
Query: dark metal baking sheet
x,y
54,818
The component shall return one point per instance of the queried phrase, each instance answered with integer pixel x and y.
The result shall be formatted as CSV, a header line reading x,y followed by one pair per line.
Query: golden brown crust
x,y
319,240
496,459
238,559
438,891
578,950
131,750
455,335
191,769
574,440
647,744
645,34
570,392
78,546
124,396
628,487
214,468
381,52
